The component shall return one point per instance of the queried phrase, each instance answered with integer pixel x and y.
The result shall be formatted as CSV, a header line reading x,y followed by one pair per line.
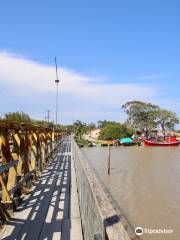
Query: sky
x,y
108,53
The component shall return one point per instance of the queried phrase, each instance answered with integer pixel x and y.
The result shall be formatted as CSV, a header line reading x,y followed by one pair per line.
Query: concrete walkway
x,y
51,210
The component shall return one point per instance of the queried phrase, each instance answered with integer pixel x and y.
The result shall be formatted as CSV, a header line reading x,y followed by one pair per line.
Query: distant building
x,y
95,133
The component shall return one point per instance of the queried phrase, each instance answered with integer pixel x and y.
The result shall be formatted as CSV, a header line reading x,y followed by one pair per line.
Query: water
x,y
145,182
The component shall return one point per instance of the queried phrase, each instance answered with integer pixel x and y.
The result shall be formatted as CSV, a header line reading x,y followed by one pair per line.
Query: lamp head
x,y
57,81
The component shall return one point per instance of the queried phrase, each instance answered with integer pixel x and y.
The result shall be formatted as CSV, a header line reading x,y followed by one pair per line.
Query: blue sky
x,y
113,51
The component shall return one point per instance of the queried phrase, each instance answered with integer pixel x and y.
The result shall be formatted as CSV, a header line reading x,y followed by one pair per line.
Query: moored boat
x,y
169,141
126,142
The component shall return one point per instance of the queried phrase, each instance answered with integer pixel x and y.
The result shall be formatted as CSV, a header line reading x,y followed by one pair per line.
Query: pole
x,y
109,159
56,103
56,81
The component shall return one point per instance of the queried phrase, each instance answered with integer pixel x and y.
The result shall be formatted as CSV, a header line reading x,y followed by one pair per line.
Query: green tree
x,y
18,117
147,117
79,129
43,123
67,128
166,120
103,123
141,116
114,130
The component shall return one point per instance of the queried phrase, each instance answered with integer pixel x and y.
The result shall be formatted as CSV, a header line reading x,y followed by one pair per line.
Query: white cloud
x,y
28,79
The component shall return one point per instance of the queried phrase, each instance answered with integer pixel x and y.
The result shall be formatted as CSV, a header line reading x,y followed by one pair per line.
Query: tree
x,y
103,123
79,129
141,116
114,130
147,117
43,123
18,117
166,120
67,128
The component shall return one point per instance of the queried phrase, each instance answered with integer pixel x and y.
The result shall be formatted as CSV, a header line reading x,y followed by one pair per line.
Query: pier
x,y
49,190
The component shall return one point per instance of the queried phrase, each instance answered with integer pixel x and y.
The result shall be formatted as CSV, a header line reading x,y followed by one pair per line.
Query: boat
x,y
126,142
168,141
106,143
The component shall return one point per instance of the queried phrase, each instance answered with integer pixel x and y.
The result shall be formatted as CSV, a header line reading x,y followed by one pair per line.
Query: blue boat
x,y
126,141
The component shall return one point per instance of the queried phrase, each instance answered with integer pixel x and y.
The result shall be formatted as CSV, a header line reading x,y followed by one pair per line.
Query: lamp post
x,y
57,85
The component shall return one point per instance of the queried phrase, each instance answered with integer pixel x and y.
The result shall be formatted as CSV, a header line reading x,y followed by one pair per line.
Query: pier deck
x,y
50,210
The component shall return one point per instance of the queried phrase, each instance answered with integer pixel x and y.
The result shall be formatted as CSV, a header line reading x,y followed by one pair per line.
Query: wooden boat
x,y
169,141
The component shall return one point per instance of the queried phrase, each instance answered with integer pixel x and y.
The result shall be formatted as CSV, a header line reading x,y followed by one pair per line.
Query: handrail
x,y
99,219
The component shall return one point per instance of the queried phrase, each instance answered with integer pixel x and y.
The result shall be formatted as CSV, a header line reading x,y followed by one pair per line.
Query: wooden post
x,y
52,140
49,144
17,142
35,148
38,162
42,151
7,179
109,159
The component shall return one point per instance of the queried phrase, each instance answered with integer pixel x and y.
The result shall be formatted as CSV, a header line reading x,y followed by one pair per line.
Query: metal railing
x,y
100,221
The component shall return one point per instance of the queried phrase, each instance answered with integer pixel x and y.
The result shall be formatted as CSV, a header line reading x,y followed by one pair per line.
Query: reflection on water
x,y
145,182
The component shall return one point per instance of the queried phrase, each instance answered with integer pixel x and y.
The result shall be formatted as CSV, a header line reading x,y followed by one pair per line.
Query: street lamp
x,y
57,84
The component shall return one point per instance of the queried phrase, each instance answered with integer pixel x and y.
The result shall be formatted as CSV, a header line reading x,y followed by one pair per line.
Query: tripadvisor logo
x,y
139,231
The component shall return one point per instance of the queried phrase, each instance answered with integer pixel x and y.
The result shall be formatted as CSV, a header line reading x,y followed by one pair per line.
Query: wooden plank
x,y
66,225
53,221
46,212
66,186
37,219
31,202
76,229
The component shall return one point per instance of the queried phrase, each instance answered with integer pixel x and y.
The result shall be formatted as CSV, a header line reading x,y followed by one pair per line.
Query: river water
x,y
145,183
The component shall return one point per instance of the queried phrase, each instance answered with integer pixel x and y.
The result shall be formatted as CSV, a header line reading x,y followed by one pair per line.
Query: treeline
x,y
143,118
113,130
22,117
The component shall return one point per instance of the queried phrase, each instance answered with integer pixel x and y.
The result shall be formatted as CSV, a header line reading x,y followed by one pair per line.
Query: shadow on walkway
x,y
44,213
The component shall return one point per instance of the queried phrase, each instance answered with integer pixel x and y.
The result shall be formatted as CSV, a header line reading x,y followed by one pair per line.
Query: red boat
x,y
169,141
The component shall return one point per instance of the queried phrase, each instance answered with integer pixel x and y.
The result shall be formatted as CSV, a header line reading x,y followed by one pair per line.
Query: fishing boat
x,y
168,141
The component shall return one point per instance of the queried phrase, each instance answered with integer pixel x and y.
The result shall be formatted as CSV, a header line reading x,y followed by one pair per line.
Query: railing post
x,y
35,150
43,150
32,151
18,143
53,140
7,180
27,164
49,144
